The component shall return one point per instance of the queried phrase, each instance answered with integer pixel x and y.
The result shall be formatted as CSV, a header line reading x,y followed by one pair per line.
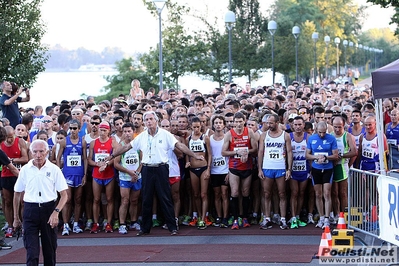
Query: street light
x,y
272,27
350,47
230,19
345,43
327,41
160,4
359,54
296,31
337,41
315,37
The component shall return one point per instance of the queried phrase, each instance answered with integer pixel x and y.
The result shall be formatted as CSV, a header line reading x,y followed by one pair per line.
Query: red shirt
x,y
100,152
12,152
240,141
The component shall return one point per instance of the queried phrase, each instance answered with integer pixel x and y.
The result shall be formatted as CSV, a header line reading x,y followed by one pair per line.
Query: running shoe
x,y
283,224
217,222
239,221
230,221
173,233
210,218
9,233
116,225
104,224
235,225
94,228
276,218
201,225
320,223
310,219
76,229
5,227
4,245
108,228
155,223
326,223
193,222
300,223
186,220
165,226
65,230
177,223
89,224
245,223
135,226
224,223
122,229
262,221
268,224
208,221
254,220
294,223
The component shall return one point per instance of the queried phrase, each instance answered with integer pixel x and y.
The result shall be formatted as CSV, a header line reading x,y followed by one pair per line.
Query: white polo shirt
x,y
154,149
40,185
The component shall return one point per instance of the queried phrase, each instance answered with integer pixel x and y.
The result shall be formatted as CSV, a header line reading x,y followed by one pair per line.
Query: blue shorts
x,y
74,180
103,182
273,173
300,177
135,186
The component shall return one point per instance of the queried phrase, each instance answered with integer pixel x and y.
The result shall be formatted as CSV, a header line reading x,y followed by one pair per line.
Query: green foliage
x,y
121,83
22,56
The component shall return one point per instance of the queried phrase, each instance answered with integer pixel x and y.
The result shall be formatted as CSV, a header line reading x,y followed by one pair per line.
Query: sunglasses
x,y
95,123
73,128
47,121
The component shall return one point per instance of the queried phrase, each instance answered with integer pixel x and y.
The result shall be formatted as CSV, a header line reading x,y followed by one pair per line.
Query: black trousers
x,y
156,179
35,219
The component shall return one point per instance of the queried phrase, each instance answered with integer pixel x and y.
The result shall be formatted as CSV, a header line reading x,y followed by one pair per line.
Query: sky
x,y
95,24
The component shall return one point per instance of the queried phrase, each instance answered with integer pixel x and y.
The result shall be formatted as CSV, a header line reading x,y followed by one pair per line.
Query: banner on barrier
x,y
388,189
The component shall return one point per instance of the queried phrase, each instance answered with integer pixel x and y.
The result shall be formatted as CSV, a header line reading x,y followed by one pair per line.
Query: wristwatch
x,y
57,210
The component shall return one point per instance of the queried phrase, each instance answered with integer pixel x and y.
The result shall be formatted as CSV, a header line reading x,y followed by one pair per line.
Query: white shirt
x,y
40,185
154,149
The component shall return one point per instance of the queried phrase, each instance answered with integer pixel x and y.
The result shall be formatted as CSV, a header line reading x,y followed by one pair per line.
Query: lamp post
x,y
327,41
230,19
350,47
345,43
296,31
160,4
359,54
272,27
337,41
315,37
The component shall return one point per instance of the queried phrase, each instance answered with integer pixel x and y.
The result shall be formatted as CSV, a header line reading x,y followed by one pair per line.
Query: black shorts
x,y
218,180
242,174
322,176
8,182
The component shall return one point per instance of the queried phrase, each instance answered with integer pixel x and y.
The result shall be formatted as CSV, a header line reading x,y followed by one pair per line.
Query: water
x,y
57,86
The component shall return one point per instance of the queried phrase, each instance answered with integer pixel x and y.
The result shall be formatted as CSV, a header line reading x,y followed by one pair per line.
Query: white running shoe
x,y
65,230
310,219
77,229
122,229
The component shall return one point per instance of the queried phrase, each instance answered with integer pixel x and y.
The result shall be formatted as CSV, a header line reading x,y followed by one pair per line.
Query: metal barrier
x,y
362,213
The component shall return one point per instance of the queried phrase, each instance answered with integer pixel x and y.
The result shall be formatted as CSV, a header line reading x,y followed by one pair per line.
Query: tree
x,y
22,56
128,69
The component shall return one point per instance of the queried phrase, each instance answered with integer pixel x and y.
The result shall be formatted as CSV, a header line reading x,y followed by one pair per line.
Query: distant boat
x,y
96,68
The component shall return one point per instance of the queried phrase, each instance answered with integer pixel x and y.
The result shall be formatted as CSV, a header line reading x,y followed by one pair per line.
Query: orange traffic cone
x,y
341,221
328,235
324,248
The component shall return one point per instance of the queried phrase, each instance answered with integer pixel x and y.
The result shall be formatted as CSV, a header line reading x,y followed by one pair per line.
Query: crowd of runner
x,y
273,154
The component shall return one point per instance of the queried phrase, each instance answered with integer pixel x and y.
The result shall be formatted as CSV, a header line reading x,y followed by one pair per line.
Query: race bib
x,y
299,166
237,156
18,166
100,157
392,141
74,160
368,153
275,154
321,153
219,161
